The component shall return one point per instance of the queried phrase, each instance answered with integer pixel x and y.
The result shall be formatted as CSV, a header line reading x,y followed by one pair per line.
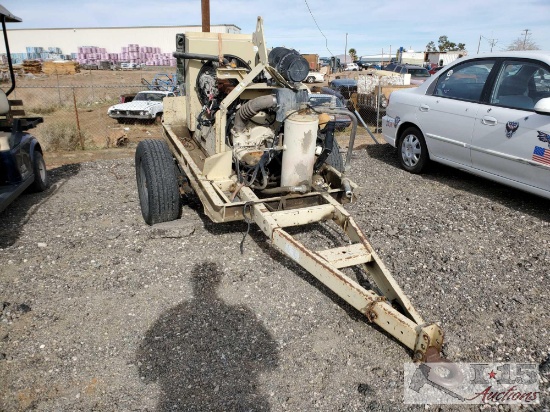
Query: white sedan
x,y
315,77
486,114
147,106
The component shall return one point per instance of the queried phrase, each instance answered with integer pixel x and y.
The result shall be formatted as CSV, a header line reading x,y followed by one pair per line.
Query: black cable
x,y
326,40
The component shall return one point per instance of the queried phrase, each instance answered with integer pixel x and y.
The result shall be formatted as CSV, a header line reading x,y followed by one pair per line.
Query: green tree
x,y
445,45
353,54
430,47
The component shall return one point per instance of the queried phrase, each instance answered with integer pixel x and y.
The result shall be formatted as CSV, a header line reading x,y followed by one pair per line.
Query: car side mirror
x,y
543,106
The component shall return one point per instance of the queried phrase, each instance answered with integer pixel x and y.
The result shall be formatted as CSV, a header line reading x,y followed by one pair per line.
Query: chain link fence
x,y
366,93
74,106
75,116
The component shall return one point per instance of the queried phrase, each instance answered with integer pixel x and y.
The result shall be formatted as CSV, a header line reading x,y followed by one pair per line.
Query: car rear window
x,y
464,82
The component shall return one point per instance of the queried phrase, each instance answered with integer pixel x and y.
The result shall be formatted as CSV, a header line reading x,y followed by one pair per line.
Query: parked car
x,y
351,67
486,114
129,66
315,77
147,105
321,99
344,86
390,67
435,69
418,74
362,64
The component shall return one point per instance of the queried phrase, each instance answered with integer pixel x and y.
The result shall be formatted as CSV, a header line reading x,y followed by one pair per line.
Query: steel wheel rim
x,y
411,150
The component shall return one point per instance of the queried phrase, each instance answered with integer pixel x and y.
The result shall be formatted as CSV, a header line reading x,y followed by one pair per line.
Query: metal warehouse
x,y
145,43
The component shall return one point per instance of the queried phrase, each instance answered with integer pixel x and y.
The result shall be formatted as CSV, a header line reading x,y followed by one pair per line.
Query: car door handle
x,y
489,121
424,108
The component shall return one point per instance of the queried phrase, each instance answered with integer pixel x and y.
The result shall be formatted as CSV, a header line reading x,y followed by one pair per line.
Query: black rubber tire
x,y
121,121
334,159
310,79
157,182
412,150
41,181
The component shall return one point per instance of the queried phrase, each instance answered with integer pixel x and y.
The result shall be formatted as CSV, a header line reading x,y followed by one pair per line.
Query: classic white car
x,y
147,105
352,67
315,77
486,114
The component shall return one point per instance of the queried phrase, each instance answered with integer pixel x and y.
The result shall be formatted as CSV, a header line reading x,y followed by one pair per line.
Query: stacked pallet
x,y
60,67
133,53
32,66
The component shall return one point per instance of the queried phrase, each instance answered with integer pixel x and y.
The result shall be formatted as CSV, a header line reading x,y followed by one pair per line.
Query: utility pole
x,y
346,51
478,44
205,10
525,38
492,42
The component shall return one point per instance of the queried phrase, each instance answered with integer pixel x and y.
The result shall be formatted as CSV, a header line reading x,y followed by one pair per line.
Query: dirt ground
x,y
100,312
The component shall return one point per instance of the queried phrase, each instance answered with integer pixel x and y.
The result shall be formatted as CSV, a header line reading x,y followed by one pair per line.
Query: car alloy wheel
x,y
414,152
411,150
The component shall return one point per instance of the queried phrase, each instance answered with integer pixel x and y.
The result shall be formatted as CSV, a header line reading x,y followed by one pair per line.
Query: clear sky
x,y
369,26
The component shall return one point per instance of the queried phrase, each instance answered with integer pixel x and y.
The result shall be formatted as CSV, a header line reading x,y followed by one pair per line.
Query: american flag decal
x,y
541,155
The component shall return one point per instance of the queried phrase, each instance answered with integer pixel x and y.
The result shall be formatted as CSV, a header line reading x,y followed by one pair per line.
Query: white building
x,y
111,40
444,58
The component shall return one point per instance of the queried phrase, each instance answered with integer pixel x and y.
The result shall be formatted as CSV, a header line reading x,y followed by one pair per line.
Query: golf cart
x,y
22,165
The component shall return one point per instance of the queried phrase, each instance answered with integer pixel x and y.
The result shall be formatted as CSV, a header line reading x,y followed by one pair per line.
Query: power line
x,y
313,17
525,38
492,42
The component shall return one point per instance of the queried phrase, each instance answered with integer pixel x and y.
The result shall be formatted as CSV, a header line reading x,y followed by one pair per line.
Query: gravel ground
x,y
100,312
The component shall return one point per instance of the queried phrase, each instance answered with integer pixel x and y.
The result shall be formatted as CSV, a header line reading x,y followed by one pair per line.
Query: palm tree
x,y
353,54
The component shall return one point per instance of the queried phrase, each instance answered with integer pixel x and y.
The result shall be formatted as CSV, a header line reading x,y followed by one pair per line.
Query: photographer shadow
x,y
206,354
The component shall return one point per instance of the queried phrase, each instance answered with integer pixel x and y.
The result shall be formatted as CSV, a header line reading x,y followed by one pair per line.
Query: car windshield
x,y
151,97
323,101
419,72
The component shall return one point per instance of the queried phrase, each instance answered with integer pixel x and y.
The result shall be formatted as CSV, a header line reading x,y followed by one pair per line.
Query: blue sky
x,y
371,26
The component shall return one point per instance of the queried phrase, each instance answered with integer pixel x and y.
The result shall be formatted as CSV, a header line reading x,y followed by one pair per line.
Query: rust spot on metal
x,y
369,312
418,356
432,355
